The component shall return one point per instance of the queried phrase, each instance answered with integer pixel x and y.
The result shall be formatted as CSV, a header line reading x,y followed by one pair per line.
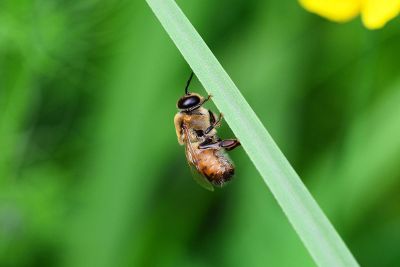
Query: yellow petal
x,y
375,13
336,10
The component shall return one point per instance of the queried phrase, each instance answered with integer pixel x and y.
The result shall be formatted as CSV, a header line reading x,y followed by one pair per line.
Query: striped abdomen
x,y
215,165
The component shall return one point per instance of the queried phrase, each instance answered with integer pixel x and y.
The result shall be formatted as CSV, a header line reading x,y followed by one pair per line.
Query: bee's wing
x,y
197,176
200,179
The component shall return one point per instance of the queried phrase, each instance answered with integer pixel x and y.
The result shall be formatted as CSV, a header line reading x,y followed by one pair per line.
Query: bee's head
x,y
190,101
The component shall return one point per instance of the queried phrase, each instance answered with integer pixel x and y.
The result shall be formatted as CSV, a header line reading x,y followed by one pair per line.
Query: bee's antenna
x,y
188,83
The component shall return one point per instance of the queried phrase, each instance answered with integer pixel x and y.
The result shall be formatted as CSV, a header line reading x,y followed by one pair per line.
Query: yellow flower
x,y
374,13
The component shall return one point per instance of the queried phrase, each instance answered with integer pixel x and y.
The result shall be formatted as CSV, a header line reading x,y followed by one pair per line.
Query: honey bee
x,y
205,151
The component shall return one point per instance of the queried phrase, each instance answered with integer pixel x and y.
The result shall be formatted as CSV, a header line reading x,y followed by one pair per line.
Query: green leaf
x,y
318,235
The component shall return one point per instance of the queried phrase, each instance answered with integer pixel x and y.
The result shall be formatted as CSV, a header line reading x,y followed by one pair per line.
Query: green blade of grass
x,y
312,226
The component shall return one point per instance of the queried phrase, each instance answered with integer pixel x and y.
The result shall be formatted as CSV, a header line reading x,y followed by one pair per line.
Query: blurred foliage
x,y
90,170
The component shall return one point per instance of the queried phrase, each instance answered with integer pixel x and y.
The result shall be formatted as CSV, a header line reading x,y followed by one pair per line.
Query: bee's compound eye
x,y
188,102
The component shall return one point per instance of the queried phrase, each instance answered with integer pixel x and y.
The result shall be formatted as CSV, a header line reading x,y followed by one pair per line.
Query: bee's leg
x,y
208,98
228,144
207,145
212,117
214,123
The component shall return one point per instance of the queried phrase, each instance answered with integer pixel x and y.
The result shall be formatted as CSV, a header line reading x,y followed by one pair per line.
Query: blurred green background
x,y
91,173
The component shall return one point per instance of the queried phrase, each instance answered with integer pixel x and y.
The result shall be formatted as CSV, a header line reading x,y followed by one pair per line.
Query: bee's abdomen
x,y
220,178
216,166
